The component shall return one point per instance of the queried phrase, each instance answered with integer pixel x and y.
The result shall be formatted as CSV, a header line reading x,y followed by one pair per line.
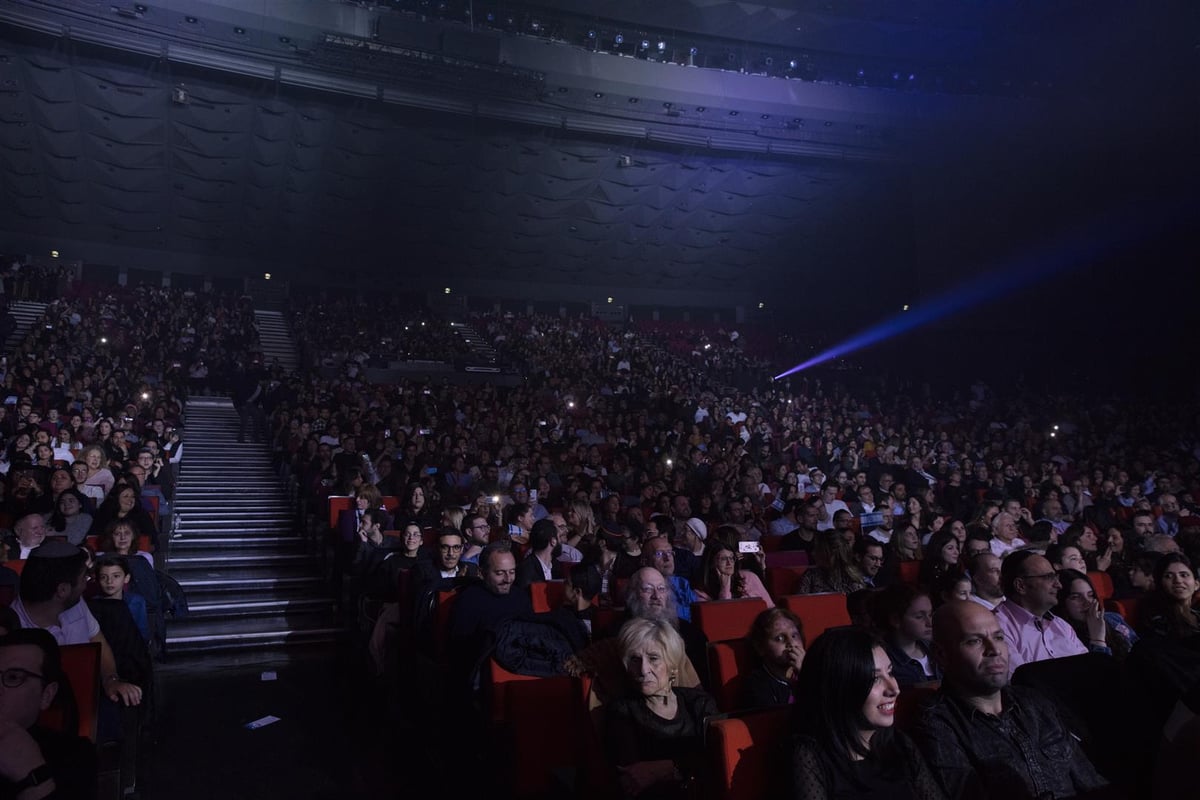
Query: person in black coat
x,y
544,549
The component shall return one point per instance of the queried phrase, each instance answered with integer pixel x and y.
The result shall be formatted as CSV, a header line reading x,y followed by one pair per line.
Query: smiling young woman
x,y
845,709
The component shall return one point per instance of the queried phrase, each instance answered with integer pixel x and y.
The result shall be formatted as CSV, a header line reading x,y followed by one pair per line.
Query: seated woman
x,y
98,473
414,505
725,580
69,519
1167,609
120,538
365,496
941,558
903,616
124,504
777,638
835,570
845,746
951,587
1077,599
654,735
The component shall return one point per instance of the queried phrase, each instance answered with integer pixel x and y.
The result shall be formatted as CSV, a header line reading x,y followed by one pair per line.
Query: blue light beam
x,y
1071,252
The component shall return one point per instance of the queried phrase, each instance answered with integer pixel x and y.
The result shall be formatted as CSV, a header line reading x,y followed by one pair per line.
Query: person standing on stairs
x,y
248,391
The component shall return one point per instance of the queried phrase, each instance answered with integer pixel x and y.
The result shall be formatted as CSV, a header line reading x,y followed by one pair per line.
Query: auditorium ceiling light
x,y
54,254
610,299
762,305
266,276
447,292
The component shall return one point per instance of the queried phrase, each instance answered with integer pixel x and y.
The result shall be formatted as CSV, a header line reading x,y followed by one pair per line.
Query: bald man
x,y
984,738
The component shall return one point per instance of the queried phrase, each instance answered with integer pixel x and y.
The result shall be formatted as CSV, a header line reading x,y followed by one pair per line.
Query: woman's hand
x,y
1097,629
1104,560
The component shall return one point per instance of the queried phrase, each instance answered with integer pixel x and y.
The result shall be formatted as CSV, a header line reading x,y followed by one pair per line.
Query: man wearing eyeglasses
x,y
1034,634
446,569
657,553
35,762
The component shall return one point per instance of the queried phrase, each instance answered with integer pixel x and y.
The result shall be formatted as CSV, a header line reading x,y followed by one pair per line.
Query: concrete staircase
x,y
237,549
25,312
484,357
276,339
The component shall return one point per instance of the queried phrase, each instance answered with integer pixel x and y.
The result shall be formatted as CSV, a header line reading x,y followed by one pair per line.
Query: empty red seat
x,y
721,620
782,581
741,750
818,612
547,595
728,662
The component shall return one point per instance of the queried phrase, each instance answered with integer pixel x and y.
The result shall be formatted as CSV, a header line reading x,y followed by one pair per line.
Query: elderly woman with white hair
x,y
654,734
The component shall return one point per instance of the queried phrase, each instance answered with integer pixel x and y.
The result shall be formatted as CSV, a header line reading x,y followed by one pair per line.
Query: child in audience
x,y
777,638
112,579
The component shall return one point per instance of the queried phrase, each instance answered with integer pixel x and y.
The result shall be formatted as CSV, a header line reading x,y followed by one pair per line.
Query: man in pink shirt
x,y
1034,634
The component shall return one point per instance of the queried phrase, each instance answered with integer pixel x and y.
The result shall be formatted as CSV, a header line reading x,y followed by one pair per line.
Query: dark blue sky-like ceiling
x,y
560,166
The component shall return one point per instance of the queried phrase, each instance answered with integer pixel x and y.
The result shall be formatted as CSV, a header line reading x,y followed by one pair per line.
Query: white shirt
x,y
830,510
1001,549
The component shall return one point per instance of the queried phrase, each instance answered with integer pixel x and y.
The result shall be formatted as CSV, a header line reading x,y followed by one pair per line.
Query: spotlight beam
x,y
1072,251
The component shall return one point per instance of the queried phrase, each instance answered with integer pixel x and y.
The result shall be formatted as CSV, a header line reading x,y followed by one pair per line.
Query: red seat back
x,y
728,662
547,595
1103,584
818,612
909,570
742,749
720,620
337,504
787,558
17,565
783,580
81,673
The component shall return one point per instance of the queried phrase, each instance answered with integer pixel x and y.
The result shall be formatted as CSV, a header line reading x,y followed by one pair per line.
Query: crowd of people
x,y
619,460
92,420
970,534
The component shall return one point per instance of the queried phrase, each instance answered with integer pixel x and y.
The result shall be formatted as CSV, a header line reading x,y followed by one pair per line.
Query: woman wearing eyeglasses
x,y
724,580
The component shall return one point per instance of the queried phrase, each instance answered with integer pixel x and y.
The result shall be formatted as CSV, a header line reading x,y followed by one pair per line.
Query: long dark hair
x,y
1163,614
837,676
712,584
1116,642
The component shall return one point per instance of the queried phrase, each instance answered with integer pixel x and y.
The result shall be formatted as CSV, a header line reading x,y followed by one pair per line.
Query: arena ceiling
x,y
96,147
97,150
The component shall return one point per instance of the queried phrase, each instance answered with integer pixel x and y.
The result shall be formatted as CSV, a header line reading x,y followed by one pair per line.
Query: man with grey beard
x,y
648,596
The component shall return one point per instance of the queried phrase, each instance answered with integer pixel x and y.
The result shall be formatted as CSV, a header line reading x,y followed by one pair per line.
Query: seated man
x,y
1034,634
28,532
657,553
986,587
647,597
35,762
984,738
483,605
52,584
544,550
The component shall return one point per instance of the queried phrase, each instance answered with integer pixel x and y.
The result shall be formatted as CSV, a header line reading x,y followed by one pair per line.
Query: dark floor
x,y
339,734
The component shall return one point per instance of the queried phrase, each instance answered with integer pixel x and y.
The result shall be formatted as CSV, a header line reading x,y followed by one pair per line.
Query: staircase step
x,y
250,580
219,560
240,586
244,634
249,608
282,544
197,532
